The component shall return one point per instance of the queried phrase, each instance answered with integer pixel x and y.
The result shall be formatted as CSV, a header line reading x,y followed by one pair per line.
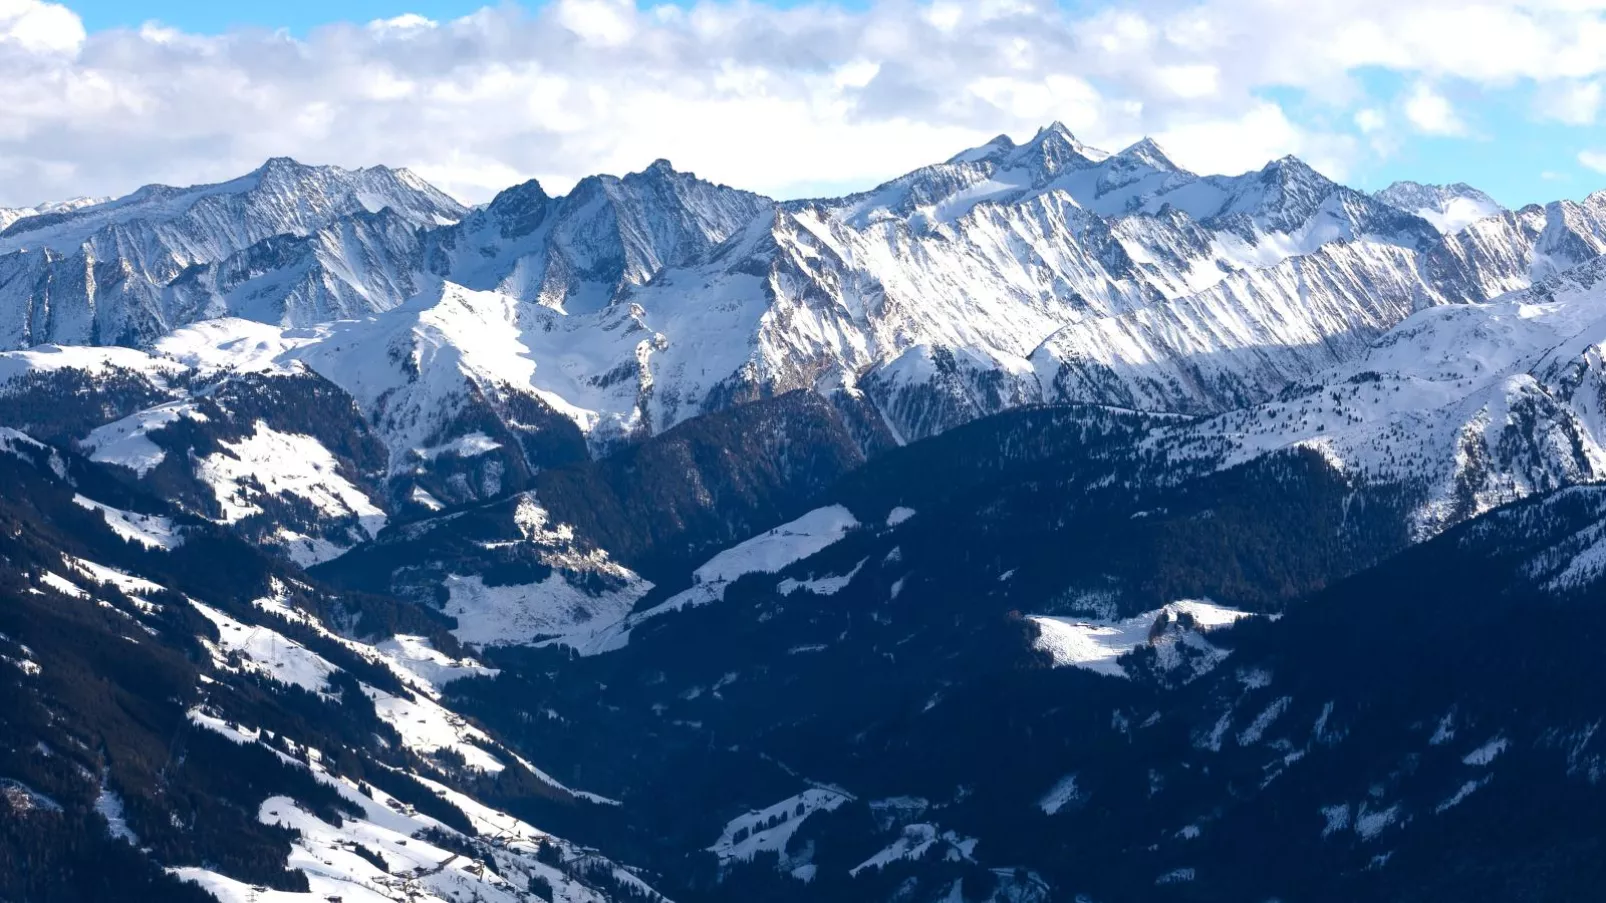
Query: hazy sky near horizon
x,y
794,98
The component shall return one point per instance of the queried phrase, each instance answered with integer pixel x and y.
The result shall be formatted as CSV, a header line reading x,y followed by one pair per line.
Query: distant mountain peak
x,y
1147,150
1053,150
1056,134
1289,163
1450,208
1001,144
282,163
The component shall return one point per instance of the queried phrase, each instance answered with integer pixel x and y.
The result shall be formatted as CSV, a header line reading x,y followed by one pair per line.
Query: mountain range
x,y
1043,524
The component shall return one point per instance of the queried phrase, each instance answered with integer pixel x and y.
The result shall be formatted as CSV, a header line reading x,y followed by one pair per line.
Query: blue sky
x,y
214,16
795,99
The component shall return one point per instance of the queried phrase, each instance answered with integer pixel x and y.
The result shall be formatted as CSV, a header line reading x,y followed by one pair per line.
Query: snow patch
x,y
263,651
1487,753
272,463
769,829
899,515
766,553
1097,645
915,843
1063,793
149,530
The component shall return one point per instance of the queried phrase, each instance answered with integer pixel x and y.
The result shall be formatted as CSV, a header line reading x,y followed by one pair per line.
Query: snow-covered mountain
x,y
1450,208
919,545
578,253
1010,274
104,273
456,354
9,215
1476,405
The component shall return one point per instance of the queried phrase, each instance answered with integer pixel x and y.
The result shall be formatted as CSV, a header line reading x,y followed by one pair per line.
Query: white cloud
x,y
1192,81
403,22
37,27
608,22
1595,160
1430,112
1370,120
1572,102
1263,133
754,95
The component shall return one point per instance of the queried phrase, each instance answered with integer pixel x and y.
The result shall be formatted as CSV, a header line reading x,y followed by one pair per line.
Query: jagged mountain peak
x,y
281,164
1054,148
1290,168
521,193
1056,132
660,166
1148,151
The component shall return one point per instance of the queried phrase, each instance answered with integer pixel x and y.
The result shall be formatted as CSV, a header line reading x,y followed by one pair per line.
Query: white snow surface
x,y
266,652
284,464
126,442
149,530
431,668
1487,753
1017,261
1097,645
1450,208
585,592
426,726
523,613
101,574
62,585
899,515
770,828
775,549
90,360
110,807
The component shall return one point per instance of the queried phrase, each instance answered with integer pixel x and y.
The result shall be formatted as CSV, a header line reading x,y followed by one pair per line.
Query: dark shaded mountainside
x,y
1042,525
1421,730
150,738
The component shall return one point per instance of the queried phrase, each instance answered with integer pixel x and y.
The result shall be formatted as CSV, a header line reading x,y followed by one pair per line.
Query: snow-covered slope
x,y
1476,404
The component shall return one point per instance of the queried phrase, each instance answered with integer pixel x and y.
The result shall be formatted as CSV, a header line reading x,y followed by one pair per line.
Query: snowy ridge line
x,y
1009,275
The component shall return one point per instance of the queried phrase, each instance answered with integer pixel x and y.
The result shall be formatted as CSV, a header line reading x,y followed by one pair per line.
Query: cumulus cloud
x,y
790,101
1595,160
32,26
1431,112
